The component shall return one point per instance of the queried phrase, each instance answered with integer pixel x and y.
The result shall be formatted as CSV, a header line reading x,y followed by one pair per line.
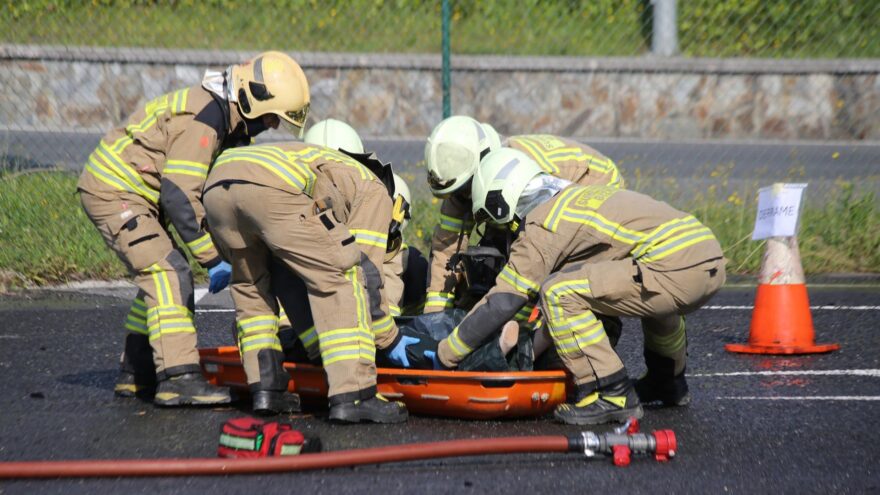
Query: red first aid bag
x,y
252,437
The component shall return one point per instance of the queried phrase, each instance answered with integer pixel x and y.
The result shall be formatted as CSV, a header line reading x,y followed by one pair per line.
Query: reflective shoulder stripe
x,y
107,166
290,171
552,220
538,154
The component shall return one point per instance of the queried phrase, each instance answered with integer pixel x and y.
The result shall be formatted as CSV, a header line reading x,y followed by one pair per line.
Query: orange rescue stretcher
x,y
459,394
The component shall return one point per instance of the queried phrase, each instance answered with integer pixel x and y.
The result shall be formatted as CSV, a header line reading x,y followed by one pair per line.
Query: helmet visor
x,y
437,183
298,117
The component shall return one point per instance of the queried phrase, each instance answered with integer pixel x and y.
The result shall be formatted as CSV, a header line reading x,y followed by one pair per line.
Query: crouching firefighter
x,y
588,250
363,187
273,202
452,155
150,172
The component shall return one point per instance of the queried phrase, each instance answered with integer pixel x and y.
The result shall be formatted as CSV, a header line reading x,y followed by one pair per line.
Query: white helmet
x,y
335,134
453,152
498,184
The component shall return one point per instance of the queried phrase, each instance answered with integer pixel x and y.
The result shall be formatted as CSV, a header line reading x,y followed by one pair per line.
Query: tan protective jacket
x,y
563,158
358,199
163,154
584,224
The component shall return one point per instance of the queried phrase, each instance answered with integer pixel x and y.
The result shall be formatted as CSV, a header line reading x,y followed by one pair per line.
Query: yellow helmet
x,y
272,83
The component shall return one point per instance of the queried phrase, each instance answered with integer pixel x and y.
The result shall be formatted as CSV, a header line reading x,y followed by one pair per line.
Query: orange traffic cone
x,y
781,320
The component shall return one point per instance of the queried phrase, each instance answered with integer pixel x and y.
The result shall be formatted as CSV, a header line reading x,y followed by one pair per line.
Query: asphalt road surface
x,y
757,424
647,165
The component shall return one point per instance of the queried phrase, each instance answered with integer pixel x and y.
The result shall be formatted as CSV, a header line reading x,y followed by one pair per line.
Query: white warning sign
x,y
779,207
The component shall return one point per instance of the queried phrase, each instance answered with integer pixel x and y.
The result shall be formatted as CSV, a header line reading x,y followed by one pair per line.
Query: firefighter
x,y
588,249
453,153
275,202
148,174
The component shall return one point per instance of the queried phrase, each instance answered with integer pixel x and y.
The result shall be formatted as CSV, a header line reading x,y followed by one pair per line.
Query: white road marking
x,y
819,308
216,310
864,372
817,397
10,336
198,294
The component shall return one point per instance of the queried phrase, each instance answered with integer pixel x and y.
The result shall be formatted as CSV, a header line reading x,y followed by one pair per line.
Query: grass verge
x,y
46,238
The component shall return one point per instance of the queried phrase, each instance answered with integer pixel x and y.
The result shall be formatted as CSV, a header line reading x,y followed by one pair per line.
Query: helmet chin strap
x,y
540,189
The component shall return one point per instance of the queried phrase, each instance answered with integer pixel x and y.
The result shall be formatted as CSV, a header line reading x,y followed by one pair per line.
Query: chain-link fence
x,y
693,99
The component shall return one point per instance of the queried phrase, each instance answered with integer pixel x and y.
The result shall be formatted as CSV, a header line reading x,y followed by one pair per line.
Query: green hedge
x,y
815,28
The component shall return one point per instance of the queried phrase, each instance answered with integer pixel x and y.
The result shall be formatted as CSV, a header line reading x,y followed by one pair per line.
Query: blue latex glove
x,y
397,354
433,357
219,277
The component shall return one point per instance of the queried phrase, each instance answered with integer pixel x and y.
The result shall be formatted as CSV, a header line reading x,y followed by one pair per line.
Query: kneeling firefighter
x,y
461,275
150,172
363,187
275,202
588,249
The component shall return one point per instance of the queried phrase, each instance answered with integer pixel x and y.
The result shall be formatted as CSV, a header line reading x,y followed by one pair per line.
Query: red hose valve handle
x,y
621,455
666,445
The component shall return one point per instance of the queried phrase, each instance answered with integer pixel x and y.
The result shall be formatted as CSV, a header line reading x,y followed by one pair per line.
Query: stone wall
x,y
63,88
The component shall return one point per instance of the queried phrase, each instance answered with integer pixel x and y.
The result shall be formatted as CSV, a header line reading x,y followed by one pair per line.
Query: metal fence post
x,y
447,78
664,36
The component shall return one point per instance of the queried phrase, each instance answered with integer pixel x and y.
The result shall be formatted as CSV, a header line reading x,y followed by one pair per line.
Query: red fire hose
x,y
660,443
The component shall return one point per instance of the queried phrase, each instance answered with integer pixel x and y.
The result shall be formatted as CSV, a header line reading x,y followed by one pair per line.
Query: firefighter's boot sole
x,y
271,402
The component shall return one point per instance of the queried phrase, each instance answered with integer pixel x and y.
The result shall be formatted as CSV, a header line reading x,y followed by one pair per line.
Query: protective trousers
x,y
252,224
368,221
571,297
163,307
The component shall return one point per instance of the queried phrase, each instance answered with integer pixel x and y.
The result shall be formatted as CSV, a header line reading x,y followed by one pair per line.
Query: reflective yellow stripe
x,y
370,237
186,167
453,224
394,309
676,244
309,337
667,345
553,218
106,165
309,155
458,347
274,160
439,299
200,245
382,325
538,154
554,293
601,224
175,101
518,282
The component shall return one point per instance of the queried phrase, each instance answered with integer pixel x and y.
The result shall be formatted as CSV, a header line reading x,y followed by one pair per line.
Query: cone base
x,y
781,349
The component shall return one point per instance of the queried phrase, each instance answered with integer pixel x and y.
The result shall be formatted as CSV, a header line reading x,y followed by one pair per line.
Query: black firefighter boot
x,y
189,389
376,409
615,402
137,374
270,395
661,384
